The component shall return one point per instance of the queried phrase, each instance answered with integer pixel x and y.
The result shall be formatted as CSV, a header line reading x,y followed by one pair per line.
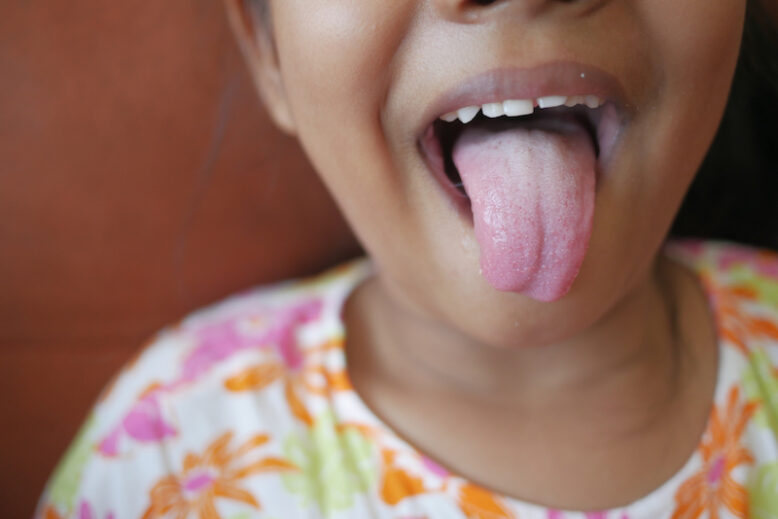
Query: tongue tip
x,y
532,196
544,292
541,276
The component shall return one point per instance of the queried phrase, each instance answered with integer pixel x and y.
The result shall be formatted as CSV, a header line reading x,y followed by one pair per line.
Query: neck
x,y
629,354
628,391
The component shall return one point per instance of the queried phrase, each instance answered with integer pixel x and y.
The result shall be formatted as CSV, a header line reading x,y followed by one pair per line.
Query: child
x,y
517,346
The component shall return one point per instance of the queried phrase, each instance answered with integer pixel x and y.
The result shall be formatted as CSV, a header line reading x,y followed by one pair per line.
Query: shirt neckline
x,y
651,505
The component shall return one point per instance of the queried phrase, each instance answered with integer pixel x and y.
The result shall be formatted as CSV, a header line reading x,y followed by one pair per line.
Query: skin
x,y
599,378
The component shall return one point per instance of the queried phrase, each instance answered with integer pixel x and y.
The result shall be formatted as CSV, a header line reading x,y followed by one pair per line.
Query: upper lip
x,y
557,78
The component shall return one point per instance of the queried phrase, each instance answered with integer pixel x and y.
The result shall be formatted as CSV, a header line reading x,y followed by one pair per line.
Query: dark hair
x,y
735,194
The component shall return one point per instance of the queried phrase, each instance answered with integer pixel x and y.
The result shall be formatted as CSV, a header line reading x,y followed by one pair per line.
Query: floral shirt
x,y
245,410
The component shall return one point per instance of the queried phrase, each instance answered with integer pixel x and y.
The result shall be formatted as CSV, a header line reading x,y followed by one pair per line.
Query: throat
x,y
400,344
539,418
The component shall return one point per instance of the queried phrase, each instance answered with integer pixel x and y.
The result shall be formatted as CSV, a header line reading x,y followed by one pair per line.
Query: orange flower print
x,y
478,503
733,324
217,473
51,513
300,369
736,325
84,512
713,486
398,484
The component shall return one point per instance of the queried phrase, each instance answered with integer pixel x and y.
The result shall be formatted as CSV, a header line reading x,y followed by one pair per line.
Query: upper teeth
x,y
519,107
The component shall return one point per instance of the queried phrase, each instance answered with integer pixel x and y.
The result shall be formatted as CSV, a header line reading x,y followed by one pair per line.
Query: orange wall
x,y
140,179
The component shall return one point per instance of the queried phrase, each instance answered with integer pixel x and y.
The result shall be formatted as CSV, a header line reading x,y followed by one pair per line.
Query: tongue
x,y
532,196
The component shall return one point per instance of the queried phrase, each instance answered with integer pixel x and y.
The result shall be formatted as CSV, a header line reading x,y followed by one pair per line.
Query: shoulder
x,y
186,396
744,276
727,261
190,360
742,286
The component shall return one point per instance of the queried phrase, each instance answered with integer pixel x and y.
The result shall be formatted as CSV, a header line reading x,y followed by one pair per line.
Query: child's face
x,y
359,81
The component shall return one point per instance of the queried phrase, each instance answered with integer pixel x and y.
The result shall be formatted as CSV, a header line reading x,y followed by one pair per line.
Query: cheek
x,y
694,48
336,54
696,39
337,60
688,50
696,45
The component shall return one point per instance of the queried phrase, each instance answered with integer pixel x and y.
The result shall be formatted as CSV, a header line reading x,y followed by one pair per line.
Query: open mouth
x,y
521,155
555,114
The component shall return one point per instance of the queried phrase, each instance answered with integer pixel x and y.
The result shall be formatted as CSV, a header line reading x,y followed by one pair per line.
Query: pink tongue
x,y
532,195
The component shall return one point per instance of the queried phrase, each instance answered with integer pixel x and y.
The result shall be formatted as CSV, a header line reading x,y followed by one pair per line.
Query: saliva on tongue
x,y
532,191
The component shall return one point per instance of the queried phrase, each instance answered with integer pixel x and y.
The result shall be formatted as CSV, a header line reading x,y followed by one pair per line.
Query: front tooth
x,y
468,113
592,101
493,110
449,117
518,107
575,100
551,101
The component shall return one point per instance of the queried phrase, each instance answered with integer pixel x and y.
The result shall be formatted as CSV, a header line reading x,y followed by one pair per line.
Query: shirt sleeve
x,y
122,447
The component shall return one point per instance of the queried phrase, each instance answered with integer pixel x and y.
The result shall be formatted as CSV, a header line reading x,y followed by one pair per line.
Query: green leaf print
x,y
334,466
761,383
766,287
763,493
67,476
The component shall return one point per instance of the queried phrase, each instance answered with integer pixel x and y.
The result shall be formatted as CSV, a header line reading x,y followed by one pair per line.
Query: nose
x,y
474,11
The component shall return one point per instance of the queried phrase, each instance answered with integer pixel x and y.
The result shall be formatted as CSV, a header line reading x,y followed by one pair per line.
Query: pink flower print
x,y
287,348
144,423
556,514
434,467
109,446
763,262
215,342
283,336
689,248
693,246
218,341
85,512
